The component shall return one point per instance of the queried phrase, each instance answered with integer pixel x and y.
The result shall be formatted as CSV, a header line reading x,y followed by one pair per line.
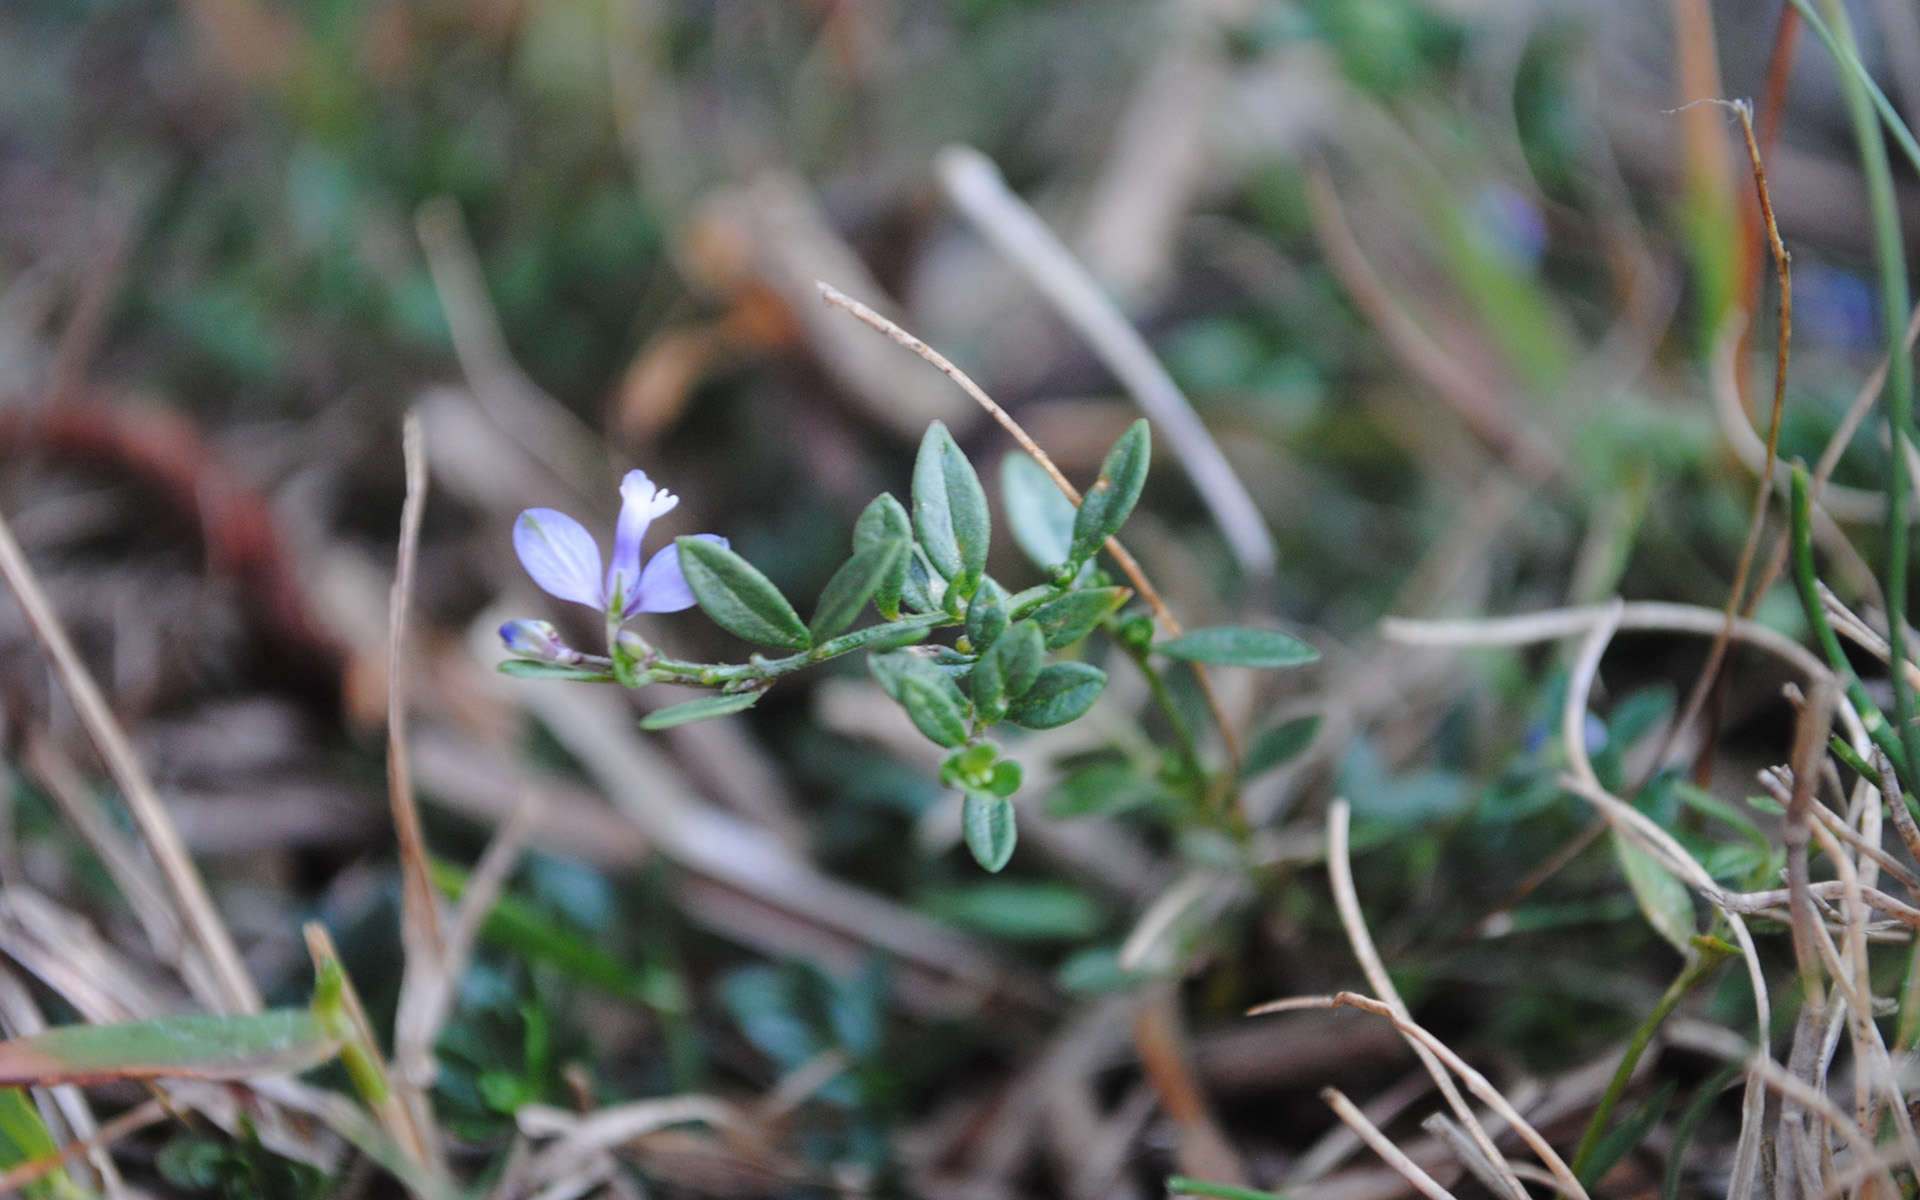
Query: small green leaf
x,y
1238,646
858,580
527,668
1062,693
192,1046
938,710
738,597
1066,619
987,821
1007,670
1279,745
986,614
885,520
949,509
1664,900
1006,778
1025,912
920,591
1039,513
1110,500
699,710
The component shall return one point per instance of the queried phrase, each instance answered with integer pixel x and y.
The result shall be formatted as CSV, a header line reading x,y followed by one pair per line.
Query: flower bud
x,y
538,640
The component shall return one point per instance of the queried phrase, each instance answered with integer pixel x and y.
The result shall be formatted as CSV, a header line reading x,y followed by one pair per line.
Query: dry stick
x,y
237,992
1346,899
1476,1083
1809,742
421,938
1370,1133
1128,564
1716,655
420,923
975,185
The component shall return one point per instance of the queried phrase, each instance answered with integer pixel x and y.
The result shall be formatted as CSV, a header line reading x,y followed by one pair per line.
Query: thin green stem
x,y
1163,696
1800,515
1180,1185
1696,971
1895,299
1851,66
762,671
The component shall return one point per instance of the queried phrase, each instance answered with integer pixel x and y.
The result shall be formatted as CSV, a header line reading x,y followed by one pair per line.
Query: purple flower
x,y
564,559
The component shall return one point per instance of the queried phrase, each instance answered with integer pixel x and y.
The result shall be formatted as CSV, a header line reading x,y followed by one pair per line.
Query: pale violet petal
x,y
663,585
640,503
560,555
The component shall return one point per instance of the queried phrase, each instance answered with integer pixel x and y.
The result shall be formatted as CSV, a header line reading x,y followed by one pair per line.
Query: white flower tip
x,y
637,491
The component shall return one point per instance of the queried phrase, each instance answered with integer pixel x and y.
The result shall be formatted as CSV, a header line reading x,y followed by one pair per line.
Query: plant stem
x,y
1800,515
762,671
1697,969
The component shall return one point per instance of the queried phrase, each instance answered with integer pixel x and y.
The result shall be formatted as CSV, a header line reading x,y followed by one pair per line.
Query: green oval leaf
x,y
1066,619
699,710
192,1046
1103,790
1110,500
1061,693
936,706
738,597
1279,745
1039,513
1239,646
1664,900
527,668
987,821
949,509
1007,670
885,520
857,581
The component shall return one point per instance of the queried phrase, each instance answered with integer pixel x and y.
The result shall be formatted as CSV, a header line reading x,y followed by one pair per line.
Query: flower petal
x,y
640,503
663,586
560,555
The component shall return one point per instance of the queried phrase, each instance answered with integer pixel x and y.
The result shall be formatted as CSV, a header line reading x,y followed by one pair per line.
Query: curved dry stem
x,y
1346,899
1476,1083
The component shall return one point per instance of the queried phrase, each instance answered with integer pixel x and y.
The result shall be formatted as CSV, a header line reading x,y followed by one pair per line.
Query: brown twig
x,y
1717,653
395,1116
236,989
1125,560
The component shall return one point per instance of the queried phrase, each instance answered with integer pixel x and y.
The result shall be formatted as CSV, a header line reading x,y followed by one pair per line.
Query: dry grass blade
x,y
237,993
1347,899
974,184
582,1138
420,917
1476,1083
1127,563
1370,1133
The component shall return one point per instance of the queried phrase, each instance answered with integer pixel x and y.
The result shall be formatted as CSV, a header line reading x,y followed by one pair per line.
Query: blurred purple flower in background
x,y
564,560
